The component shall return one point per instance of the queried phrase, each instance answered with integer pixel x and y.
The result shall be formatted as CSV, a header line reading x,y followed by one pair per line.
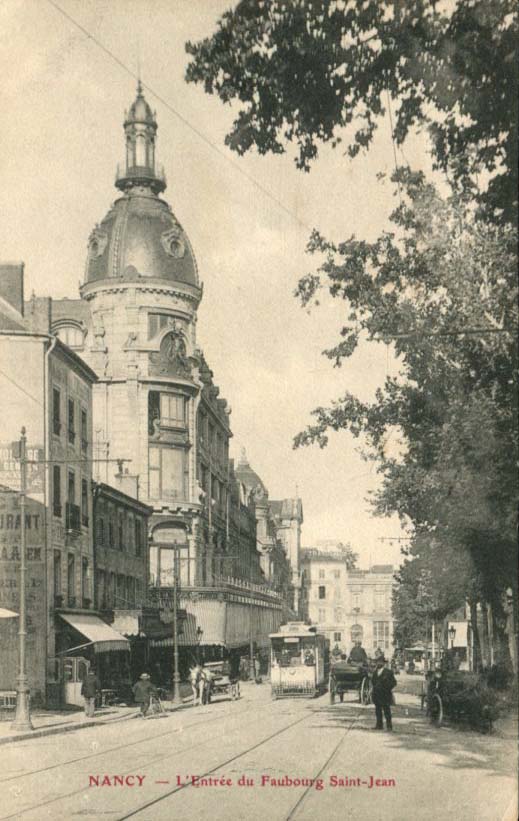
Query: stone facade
x,y
348,605
156,407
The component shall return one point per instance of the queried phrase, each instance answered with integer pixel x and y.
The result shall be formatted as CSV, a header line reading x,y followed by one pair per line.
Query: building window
x,y
57,578
110,533
356,602
71,422
85,587
322,574
71,489
337,637
338,615
120,531
336,574
138,537
100,531
84,431
56,412
167,473
172,410
71,335
71,580
338,593
56,490
84,502
381,635
322,591
322,616
113,592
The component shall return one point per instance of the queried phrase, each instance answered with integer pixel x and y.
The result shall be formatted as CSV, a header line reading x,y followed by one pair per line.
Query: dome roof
x,y
140,237
247,476
140,111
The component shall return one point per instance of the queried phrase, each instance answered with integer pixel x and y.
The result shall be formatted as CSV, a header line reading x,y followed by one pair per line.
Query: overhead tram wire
x,y
181,117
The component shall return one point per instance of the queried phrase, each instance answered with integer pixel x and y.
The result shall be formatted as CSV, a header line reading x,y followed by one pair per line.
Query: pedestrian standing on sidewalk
x,y
89,689
383,682
143,690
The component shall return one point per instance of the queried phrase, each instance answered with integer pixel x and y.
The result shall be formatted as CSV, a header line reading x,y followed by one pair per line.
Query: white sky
x,y
61,138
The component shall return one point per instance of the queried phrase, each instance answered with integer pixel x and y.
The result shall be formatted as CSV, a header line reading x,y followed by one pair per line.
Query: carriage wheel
x,y
436,710
365,691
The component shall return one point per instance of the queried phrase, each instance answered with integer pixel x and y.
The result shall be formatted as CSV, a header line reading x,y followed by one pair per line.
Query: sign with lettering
x,y
10,466
10,555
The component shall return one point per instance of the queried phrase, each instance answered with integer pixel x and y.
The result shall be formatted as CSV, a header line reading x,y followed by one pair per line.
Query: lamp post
x,y
176,671
22,719
452,634
199,634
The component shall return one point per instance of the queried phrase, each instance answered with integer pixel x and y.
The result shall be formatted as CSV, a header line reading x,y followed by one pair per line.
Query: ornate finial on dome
x,y
140,128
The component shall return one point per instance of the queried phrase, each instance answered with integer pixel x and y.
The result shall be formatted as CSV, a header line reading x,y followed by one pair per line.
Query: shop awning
x,y
101,635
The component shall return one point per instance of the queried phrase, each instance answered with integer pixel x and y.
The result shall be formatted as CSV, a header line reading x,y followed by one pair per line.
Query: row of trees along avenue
x,y
438,286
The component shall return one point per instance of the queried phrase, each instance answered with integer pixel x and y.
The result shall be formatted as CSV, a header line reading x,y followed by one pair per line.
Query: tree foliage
x,y
441,290
303,71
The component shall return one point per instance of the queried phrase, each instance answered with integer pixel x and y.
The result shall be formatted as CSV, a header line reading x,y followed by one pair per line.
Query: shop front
x,y
86,642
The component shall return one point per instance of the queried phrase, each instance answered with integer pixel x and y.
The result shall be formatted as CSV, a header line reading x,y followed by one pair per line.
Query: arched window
x,y
70,335
140,150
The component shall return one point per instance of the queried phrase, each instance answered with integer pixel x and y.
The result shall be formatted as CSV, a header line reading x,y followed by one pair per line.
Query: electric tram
x,y
298,661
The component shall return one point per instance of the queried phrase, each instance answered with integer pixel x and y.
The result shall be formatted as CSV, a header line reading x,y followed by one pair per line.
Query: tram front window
x,y
286,652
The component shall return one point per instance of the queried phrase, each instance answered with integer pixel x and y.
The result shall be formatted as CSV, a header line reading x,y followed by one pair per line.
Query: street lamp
x,y
22,719
452,633
199,634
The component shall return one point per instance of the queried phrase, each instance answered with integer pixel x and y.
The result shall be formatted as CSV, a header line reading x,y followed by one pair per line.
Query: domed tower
x,y
143,290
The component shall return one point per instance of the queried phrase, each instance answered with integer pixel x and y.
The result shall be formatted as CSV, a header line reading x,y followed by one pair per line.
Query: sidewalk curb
x,y
56,729
64,728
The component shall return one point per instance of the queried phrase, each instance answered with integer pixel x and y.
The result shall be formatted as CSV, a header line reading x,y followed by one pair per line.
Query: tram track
x,y
214,769
302,798
138,741
63,796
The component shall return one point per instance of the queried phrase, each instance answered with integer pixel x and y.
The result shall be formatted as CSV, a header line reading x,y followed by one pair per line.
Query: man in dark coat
x,y
89,689
358,655
143,691
383,682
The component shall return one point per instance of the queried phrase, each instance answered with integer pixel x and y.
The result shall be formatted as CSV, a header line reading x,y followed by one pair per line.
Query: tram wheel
x,y
436,710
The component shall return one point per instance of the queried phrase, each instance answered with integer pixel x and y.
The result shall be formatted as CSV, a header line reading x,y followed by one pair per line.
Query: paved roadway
x,y
423,772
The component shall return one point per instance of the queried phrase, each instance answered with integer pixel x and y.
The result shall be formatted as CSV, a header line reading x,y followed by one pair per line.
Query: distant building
x,y
348,605
278,534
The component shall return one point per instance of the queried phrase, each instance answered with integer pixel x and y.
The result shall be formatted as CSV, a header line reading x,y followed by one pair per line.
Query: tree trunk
x,y
476,656
484,639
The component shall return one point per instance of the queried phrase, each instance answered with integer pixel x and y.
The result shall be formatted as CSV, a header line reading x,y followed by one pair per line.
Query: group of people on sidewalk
x,y
143,691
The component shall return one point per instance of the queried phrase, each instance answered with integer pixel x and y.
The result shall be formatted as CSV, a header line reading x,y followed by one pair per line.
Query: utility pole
x,y
22,719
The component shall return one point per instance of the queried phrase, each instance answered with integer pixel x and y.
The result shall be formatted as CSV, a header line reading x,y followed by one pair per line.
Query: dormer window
x,y
71,335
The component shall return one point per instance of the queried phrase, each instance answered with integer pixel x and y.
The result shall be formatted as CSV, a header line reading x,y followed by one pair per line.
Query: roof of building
x,y
140,237
75,309
382,568
246,475
286,508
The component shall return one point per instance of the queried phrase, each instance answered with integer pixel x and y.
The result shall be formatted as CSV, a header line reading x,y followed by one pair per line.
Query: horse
x,y
197,679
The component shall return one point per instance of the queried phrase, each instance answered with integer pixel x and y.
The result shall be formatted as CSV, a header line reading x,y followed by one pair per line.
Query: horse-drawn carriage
x,y
350,675
213,679
460,696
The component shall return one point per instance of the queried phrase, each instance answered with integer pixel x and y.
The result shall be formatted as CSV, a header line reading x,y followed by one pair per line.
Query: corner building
x,y
155,404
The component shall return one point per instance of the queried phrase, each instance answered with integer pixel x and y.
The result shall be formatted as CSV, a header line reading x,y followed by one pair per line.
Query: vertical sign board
x,y
10,591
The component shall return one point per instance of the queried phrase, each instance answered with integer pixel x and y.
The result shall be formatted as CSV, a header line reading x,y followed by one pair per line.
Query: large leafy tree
x,y
441,291
313,71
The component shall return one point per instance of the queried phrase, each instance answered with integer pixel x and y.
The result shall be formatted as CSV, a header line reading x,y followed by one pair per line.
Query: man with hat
x,y
383,682
143,689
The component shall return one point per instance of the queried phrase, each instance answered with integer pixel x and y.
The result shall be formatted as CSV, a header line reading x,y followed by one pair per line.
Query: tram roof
x,y
296,629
